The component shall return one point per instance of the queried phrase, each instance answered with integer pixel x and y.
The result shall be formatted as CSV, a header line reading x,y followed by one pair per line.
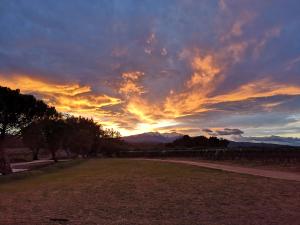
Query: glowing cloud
x,y
68,98
205,71
28,84
202,82
258,89
130,84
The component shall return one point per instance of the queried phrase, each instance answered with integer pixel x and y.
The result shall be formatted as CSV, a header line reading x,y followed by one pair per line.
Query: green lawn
x,y
117,191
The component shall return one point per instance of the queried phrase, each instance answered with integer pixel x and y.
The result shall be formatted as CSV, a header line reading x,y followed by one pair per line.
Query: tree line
x,y
41,127
198,142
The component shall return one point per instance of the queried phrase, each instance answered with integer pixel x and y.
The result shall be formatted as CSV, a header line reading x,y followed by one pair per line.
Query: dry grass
x,y
139,192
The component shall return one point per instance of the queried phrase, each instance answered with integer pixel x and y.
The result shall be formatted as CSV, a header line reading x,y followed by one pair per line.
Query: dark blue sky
x,y
171,65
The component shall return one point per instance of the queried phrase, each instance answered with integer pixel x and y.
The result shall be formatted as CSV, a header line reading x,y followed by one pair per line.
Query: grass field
x,y
116,191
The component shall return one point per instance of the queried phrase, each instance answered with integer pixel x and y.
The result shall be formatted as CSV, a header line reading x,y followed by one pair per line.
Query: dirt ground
x,y
119,191
276,174
293,167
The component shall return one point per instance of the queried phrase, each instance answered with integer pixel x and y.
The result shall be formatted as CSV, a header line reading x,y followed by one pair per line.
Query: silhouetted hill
x,y
153,137
250,142
261,145
288,141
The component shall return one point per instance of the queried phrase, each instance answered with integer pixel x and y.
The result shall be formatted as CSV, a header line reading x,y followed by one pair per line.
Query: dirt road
x,y
237,169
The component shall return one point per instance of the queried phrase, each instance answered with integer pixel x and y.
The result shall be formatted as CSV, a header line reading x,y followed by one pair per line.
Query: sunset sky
x,y
225,67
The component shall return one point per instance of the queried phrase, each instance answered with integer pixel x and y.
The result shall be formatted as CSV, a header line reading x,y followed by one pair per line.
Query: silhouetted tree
x,y
32,134
16,112
111,133
33,138
199,141
53,131
81,135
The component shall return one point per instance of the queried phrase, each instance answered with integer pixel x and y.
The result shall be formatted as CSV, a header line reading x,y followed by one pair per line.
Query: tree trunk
x,y
4,160
35,154
54,156
68,153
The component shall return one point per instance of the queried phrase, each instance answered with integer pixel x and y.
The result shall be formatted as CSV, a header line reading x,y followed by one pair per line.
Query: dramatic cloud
x,y
223,132
130,84
169,65
69,98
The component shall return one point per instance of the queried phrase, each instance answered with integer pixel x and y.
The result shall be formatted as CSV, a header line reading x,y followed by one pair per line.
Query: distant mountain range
x,y
291,141
259,145
156,137
153,137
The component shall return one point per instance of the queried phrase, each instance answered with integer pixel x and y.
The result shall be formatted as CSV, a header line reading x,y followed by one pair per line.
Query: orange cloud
x,y
203,81
260,88
145,111
205,71
68,98
197,95
130,84
29,84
